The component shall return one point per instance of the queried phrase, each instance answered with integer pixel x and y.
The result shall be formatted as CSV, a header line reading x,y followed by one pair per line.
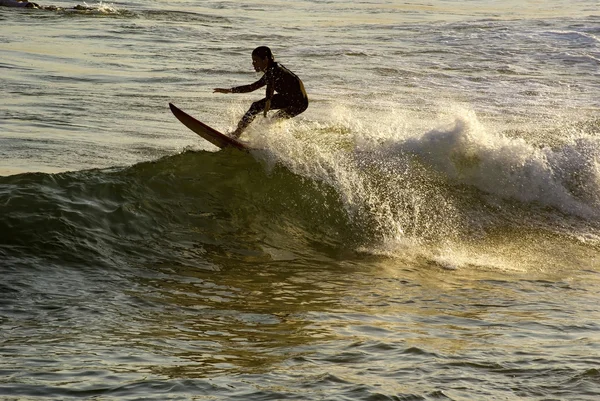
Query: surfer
x,y
290,97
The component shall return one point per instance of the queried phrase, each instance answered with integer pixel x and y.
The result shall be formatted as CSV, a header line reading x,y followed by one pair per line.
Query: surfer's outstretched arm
x,y
244,88
222,90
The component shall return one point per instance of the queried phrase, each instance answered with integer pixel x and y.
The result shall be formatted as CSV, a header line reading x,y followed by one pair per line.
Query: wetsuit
x,y
290,97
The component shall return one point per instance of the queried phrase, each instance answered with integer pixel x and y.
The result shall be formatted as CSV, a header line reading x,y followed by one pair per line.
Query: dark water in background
x,y
428,229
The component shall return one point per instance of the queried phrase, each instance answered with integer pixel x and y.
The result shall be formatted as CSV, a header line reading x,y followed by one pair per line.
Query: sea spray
x,y
441,184
391,198
565,178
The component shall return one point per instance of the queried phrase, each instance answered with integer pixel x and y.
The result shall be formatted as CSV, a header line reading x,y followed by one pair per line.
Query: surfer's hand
x,y
222,90
267,107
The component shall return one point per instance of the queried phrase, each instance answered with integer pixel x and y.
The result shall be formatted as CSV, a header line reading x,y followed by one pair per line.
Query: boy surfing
x,y
285,91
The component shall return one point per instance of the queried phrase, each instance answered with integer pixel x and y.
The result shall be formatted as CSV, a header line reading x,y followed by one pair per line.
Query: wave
x,y
108,9
172,209
306,195
566,176
458,187
97,9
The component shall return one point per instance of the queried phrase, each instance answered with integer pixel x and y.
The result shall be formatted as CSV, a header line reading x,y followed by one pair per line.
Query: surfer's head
x,y
261,58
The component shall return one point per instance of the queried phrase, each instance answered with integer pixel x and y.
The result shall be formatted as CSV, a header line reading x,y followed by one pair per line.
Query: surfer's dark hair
x,y
263,52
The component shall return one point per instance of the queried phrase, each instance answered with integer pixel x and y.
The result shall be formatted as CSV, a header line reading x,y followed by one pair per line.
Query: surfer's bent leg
x,y
254,109
277,102
287,108
295,107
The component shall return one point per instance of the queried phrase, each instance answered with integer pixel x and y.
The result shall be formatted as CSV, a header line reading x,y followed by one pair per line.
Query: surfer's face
x,y
260,64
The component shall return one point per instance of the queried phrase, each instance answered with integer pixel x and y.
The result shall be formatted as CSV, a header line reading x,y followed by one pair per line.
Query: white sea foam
x,y
566,177
406,206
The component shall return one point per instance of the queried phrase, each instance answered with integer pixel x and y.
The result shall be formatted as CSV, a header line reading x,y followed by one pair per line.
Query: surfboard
x,y
210,134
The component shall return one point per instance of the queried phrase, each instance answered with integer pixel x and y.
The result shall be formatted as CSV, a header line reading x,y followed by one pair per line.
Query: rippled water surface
x,y
429,229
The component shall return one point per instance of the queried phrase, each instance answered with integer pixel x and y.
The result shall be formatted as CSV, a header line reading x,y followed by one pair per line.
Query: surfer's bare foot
x,y
235,134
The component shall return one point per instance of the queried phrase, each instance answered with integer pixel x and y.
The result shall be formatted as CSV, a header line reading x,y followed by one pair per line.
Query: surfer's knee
x,y
257,107
297,107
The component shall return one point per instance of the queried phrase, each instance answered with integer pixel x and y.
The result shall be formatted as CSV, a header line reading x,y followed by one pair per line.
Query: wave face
x,y
172,209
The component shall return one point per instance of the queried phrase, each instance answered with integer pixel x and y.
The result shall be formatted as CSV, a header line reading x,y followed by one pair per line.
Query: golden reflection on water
x,y
252,317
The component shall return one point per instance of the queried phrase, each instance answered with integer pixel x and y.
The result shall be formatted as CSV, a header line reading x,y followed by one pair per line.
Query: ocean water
x,y
429,229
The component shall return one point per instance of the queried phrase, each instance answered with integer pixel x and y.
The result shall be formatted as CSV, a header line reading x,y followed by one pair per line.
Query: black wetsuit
x,y
290,97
